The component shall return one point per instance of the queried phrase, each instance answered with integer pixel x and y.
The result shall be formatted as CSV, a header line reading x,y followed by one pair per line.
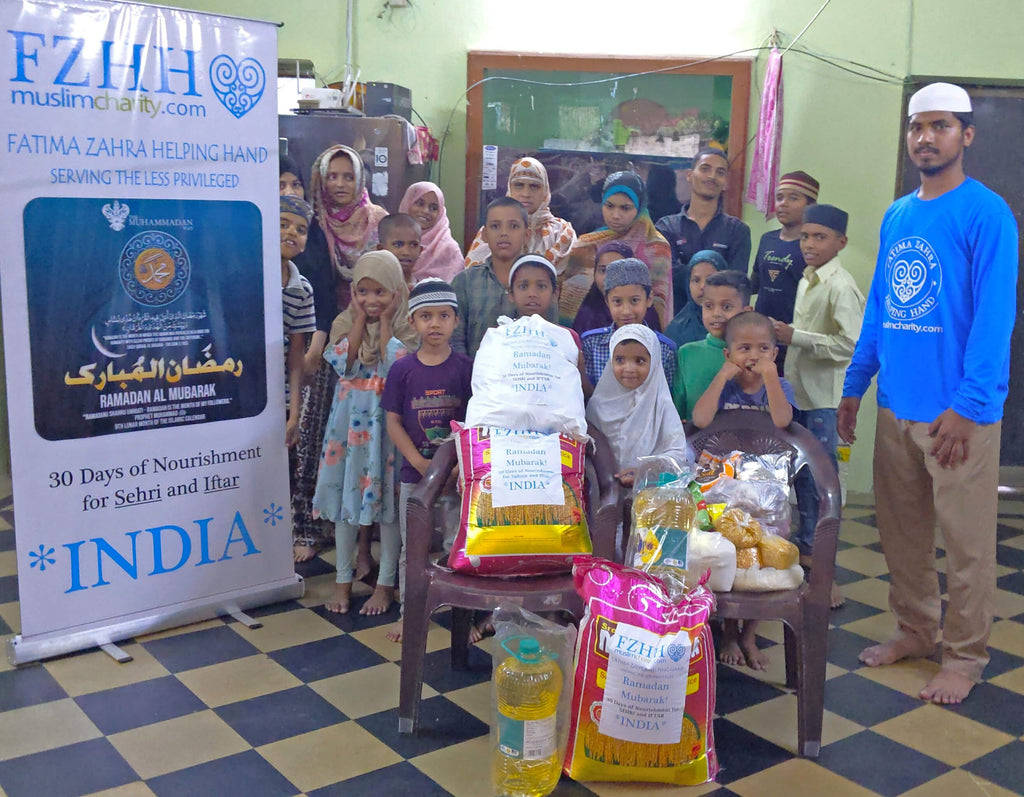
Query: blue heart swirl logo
x,y
676,651
237,86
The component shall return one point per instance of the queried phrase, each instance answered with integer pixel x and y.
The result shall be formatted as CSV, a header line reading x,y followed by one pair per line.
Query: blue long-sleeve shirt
x,y
941,308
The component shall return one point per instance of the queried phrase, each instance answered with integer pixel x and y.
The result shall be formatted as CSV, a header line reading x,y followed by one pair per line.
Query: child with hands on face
x,y
356,482
747,380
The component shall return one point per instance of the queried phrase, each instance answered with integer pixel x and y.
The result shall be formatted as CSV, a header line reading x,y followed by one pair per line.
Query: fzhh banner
x,y
142,318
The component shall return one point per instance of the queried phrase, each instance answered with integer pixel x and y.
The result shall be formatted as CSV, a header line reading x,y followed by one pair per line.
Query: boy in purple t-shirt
x,y
423,394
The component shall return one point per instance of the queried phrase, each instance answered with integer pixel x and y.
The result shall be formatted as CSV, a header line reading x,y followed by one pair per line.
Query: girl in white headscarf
x,y
632,404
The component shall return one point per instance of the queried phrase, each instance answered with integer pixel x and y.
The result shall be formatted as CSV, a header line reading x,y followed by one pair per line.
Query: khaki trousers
x,y
913,496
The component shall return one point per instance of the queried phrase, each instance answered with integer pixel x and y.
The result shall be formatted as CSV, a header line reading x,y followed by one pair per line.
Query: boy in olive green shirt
x,y
726,293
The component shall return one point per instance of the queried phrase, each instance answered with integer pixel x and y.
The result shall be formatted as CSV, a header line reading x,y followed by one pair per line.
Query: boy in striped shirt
x,y
299,316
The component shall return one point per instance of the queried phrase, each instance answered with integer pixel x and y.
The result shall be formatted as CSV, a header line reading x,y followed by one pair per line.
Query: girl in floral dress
x,y
356,483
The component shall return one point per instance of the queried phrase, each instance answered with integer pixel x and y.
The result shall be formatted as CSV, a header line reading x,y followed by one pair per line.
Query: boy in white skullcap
x,y
936,332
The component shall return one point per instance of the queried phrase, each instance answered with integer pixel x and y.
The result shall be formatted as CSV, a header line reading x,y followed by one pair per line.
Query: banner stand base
x,y
22,650
116,653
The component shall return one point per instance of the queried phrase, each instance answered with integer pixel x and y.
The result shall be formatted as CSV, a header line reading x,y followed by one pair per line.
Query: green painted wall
x,y
841,128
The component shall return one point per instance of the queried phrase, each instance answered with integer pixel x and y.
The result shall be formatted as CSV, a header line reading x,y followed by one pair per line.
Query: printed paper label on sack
x,y
645,689
526,469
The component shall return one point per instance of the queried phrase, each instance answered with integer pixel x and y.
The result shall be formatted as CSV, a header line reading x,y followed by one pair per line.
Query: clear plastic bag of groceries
x,y
531,694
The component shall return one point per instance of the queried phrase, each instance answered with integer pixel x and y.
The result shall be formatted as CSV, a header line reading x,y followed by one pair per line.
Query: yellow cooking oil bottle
x,y
525,762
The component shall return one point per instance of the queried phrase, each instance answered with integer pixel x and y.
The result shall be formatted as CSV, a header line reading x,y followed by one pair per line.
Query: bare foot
x,y
892,651
395,634
947,687
729,651
756,660
484,628
339,600
303,552
380,601
836,600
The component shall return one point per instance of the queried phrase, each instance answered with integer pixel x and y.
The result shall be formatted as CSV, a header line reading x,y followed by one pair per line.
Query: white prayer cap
x,y
939,97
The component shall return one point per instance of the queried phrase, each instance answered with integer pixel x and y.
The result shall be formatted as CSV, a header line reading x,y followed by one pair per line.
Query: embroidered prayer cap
x,y
709,256
939,97
431,292
532,260
800,181
297,207
628,271
827,216
626,183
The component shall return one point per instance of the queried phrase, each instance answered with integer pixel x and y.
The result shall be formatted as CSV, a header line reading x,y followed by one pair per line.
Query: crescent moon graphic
x,y
105,352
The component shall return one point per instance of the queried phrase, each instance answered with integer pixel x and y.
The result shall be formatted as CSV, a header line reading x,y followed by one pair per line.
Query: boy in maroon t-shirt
x,y
423,393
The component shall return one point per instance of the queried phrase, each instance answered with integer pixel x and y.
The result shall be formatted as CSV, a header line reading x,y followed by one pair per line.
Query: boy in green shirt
x,y
726,293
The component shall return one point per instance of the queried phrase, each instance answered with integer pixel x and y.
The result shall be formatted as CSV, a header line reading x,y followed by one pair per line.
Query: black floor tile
x,y
68,771
268,610
8,589
570,788
245,773
1005,532
397,779
4,628
1009,557
852,611
1012,582
736,691
1001,662
438,672
880,764
994,706
742,753
867,520
314,567
844,647
134,705
28,686
326,658
865,702
7,541
352,620
441,723
1003,766
844,576
199,649
269,718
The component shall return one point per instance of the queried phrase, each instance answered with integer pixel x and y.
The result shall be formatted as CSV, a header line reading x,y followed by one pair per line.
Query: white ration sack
x,y
525,378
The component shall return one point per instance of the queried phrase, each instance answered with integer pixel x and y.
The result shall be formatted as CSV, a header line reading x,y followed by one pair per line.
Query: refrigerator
x,y
383,143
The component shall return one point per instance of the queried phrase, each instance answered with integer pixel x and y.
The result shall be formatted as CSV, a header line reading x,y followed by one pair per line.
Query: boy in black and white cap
x,y
423,393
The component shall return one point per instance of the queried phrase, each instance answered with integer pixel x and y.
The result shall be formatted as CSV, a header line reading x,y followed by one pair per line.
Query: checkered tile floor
x,y
307,705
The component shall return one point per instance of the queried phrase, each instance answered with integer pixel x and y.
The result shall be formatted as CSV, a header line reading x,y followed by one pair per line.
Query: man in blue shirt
x,y
937,333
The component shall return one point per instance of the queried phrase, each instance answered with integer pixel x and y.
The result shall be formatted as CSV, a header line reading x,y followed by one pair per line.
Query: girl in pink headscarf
x,y
548,235
440,255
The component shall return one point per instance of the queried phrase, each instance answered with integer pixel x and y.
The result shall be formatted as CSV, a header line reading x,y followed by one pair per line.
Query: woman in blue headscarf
x,y
624,208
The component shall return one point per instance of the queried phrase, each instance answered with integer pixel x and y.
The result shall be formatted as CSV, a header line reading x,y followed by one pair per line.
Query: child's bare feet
x,y
380,601
947,687
303,552
756,659
339,600
729,650
395,634
484,628
836,599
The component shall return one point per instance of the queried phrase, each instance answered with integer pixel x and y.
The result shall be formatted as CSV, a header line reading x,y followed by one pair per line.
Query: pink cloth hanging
x,y
764,172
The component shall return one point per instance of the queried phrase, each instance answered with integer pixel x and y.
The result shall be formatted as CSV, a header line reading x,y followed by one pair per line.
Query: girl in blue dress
x,y
356,483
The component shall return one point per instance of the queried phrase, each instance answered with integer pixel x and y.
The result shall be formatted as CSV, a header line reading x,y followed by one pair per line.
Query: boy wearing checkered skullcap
x,y
424,392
